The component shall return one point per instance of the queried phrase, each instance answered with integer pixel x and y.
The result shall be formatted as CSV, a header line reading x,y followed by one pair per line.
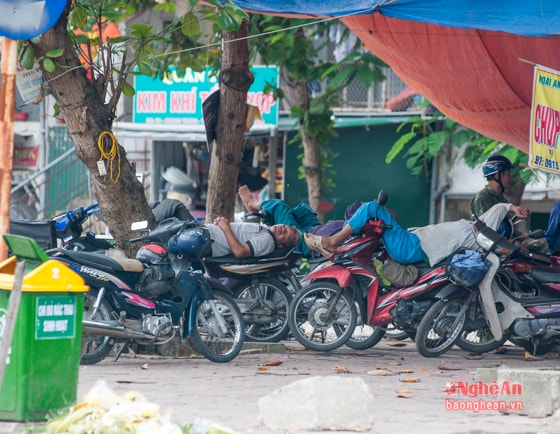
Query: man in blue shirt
x,y
552,233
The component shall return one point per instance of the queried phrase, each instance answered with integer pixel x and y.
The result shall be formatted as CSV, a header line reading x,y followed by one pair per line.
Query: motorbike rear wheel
x,y
311,323
476,336
95,348
207,337
440,327
272,296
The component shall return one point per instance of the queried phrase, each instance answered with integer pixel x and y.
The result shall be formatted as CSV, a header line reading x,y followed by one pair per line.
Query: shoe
x,y
314,243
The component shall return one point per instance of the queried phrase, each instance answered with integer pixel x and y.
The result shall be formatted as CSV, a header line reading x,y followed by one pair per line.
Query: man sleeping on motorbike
x,y
301,216
430,244
224,238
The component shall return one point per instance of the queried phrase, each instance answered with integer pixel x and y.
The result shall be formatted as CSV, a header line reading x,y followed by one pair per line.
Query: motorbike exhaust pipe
x,y
114,330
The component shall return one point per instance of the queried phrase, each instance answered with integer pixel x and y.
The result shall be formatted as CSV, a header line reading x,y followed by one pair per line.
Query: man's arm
x,y
239,250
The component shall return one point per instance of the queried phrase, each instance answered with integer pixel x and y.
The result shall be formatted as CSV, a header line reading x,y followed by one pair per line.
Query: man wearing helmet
x,y
497,171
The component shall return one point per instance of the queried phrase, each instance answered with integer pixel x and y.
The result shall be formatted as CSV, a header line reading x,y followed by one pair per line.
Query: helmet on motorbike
x,y
153,254
496,164
506,228
191,241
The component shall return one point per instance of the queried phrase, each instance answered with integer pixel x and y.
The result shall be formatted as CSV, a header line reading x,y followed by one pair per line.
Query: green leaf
x,y
128,90
49,65
140,30
57,52
398,146
27,57
190,25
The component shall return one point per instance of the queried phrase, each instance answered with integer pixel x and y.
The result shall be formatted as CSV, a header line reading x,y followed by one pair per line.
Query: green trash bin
x,y
41,373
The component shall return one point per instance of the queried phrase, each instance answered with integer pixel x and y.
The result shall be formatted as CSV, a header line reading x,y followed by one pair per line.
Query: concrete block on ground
x,y
319,403
538,390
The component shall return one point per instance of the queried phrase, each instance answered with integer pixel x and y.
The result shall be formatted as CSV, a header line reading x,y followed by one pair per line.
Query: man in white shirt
x,y
244,239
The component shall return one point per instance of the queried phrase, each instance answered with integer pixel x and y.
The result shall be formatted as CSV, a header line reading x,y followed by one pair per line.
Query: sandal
x,y
314,243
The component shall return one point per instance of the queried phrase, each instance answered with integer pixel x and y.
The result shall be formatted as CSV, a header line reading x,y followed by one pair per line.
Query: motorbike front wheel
x,y
440,327
322,316
365,337
476,337
95,348
266,316
208,338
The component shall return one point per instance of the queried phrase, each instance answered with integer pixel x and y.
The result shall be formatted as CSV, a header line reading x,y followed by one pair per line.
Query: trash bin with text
x,y
41,373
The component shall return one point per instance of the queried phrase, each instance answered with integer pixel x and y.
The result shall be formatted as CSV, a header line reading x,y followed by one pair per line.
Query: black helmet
x,y
189,241
496,164
153,254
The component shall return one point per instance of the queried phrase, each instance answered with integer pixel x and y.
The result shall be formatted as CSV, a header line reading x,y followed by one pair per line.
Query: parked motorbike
x,y
151,299
64,230
262,286
69,230
519,297
348,292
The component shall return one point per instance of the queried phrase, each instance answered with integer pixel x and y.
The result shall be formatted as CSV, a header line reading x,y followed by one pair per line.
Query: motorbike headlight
x,y
484,242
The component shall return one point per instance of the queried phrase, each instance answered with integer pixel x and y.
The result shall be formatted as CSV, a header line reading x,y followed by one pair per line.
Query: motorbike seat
x,y
278,254
101,261
545,275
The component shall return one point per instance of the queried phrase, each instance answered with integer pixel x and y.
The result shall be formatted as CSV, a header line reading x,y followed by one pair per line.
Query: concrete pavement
x,y
410,392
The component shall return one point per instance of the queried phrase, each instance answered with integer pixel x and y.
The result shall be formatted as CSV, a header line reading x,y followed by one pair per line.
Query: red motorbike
x,y
347,296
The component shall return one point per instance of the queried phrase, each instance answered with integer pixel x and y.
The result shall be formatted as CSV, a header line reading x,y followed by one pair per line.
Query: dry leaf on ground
x,y
551,356
409,380
448,368
406,371
422,369
341,369
474,356
271,363
530,358
145,366
262,368
380,372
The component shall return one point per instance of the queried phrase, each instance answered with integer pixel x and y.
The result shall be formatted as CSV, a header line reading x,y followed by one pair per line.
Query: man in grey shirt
x,y
244,239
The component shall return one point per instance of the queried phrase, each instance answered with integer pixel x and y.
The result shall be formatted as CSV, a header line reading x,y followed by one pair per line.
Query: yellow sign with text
x,y
545,120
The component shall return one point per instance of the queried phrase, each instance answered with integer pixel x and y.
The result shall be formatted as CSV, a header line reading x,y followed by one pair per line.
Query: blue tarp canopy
x,y
473,59
522,17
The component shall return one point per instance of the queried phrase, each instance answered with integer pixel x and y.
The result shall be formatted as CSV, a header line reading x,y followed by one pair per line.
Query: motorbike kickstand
x,y
119,349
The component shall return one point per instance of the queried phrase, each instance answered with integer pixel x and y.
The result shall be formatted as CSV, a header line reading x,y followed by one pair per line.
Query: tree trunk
x,y
82,104
311,159
235,80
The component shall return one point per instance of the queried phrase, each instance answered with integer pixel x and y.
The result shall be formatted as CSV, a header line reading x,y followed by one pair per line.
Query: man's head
x,y
285,236
497,169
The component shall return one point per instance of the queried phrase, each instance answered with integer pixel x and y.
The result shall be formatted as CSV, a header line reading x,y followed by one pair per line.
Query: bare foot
x,y
247,198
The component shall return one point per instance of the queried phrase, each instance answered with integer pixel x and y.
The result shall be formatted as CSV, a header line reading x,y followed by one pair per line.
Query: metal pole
x,y
7,114
11,317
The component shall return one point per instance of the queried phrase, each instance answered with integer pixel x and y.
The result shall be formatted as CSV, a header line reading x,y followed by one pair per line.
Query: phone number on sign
x,y
545,162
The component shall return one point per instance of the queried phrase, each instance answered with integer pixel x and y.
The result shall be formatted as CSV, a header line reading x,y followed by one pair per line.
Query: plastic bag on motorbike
x,y
466,268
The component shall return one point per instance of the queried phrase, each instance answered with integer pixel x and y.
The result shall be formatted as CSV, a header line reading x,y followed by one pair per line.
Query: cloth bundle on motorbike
x,y
398,274
466,268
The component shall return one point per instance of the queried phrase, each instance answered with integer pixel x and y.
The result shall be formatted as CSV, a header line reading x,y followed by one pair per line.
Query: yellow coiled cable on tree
x,y
109,149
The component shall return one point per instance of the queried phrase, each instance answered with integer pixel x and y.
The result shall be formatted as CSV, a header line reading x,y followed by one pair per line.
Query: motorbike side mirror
x,y
382,197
